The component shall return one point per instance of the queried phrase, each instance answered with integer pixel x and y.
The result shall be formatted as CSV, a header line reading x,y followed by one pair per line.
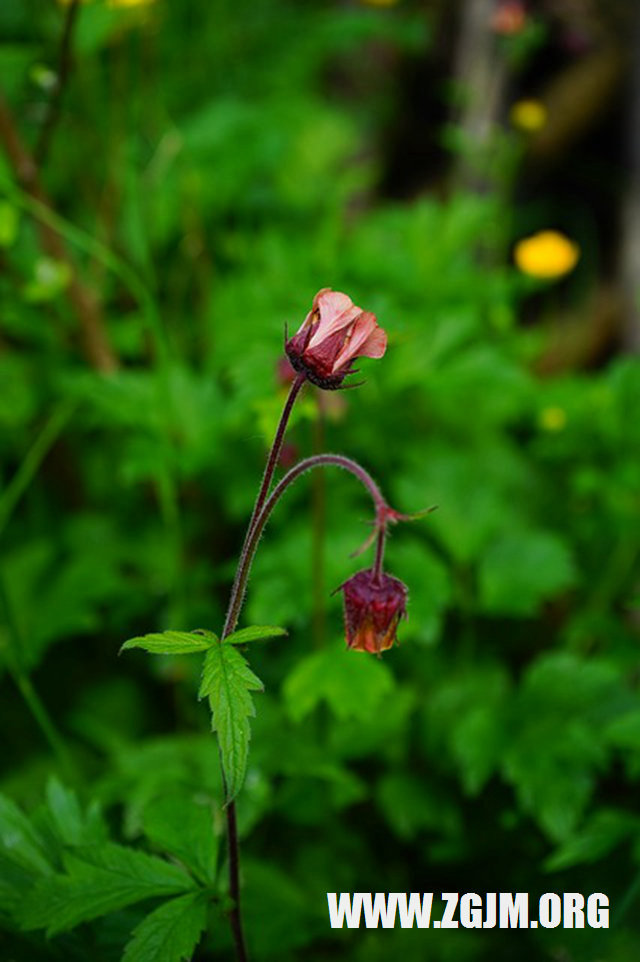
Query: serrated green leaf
x,y
183,826
99,879
254,633
170,933
172,642
227,680
19,840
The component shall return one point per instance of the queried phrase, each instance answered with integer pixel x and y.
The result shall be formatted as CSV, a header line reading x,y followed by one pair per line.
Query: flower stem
x,y
318,517
318,460
231,619
235,918
236,597
380,542
263,508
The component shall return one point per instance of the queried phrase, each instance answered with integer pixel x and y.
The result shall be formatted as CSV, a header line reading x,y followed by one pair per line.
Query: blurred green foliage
x,y
215,164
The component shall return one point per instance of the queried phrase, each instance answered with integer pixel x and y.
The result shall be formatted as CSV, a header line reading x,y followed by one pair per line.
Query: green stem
x,y
20,676
33,459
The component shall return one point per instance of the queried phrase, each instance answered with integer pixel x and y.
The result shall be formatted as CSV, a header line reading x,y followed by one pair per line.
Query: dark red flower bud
x,y
333,334
372,609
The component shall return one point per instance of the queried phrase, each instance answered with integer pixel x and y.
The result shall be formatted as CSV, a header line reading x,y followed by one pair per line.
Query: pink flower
x,y
333,334
372,609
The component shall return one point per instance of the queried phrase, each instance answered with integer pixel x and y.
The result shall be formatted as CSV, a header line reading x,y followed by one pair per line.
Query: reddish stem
x,y
235,602
234,610
262,509
318,460
380,542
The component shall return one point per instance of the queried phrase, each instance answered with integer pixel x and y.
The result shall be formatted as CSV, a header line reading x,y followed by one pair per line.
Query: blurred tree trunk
x,y
481,75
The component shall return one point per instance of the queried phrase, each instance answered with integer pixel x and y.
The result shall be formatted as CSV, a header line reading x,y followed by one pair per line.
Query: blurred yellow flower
x,y
528,115
552,419
546,255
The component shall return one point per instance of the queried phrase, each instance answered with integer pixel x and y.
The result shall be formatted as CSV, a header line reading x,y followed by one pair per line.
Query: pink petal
x,y
375,345
336,310
365,340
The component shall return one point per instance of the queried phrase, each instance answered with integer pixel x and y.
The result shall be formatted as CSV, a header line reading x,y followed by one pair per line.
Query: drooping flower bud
x,y
373,606
332,335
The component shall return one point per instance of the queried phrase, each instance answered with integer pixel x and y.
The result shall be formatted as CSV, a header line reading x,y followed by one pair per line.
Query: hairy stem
x,y
235,918
235,602
318,460
318,518
236,595
380,542
258,521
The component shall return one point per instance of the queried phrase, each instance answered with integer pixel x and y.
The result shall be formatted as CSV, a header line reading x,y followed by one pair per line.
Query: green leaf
x,y
254,633
173,642
99,880
183,826
521,569
411,804
353,685
73,826
227,680
65,811
603,832
170,933
20,841
15,884
557,737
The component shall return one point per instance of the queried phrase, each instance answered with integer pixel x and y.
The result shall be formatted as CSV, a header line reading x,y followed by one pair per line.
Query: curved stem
x,y
318,460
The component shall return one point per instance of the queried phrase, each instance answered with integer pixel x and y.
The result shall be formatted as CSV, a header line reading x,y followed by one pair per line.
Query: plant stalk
x,y
318,460
231,620
235,599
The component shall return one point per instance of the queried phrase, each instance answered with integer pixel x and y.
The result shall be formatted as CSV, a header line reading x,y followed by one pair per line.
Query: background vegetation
x,y
177,180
